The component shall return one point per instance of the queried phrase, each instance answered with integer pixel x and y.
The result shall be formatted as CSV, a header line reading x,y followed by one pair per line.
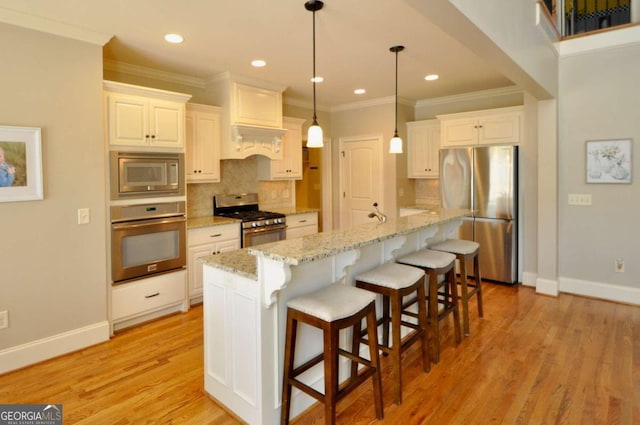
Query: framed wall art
x,y
609,161
20,164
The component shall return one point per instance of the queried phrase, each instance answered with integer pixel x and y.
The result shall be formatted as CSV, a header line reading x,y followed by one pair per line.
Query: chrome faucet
x,y
377,214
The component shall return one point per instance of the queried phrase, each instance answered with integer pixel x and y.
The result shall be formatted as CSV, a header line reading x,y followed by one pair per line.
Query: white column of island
x,y
246,293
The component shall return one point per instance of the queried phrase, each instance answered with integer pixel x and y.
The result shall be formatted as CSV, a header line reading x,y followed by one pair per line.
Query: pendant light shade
x,y
395,146
314,135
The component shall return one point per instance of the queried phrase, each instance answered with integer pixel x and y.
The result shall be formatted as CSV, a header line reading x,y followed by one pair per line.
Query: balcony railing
x,y
583,16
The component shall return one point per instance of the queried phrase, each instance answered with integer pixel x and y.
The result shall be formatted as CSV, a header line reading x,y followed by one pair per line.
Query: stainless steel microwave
x,y
146,174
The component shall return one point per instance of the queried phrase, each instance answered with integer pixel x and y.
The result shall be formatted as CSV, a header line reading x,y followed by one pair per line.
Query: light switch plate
x,y
84,216
579,199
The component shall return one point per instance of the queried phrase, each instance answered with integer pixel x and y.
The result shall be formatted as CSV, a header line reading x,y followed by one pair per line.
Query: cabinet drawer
x,y
145,295
213,234
298,220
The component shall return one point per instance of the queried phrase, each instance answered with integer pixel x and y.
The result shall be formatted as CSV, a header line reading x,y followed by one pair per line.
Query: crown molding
x,y
243,79
465,97
141,71
388,100
38,23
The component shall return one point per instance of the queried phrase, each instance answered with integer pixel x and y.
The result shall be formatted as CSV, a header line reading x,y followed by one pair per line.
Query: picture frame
x,y
609,161
20,164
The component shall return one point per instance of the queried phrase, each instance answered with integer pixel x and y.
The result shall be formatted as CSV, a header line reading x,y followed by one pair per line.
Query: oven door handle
x,y
254,230
145,223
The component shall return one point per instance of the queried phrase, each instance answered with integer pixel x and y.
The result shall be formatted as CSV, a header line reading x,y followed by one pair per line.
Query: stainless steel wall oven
x,y
147,239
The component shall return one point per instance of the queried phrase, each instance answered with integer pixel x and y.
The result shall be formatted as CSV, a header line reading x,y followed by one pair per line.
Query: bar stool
x,y
331,309
395,281
442,296
464,251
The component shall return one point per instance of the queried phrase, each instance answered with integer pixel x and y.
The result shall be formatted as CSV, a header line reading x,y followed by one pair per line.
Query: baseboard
x,y
547,287
529,279
43,349
603,291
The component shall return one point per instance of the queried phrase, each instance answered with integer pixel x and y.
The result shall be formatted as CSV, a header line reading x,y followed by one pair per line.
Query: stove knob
x,y
266,222
279,221
254,224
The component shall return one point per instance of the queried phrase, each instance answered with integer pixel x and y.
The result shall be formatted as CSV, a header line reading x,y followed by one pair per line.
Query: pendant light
x,y
396,142
314,136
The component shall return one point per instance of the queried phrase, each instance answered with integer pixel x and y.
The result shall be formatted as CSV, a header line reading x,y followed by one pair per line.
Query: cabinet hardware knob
x,y
152,295
153,136
215,235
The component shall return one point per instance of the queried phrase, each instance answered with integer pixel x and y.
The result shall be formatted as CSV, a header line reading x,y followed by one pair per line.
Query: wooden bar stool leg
x,y
423,322
376,379
355,347
465,293
453,291
396,318
434,324
385,321
476,266
330,373
290,346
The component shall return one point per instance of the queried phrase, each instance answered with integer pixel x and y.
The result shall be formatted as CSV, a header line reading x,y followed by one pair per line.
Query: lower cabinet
x,y
207,241
146,299
302,224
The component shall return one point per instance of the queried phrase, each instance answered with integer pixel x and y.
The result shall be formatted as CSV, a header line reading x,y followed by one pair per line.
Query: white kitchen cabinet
x,y
423,148
207,241
302,224
144,117
290,166
203,143
257,106
488,127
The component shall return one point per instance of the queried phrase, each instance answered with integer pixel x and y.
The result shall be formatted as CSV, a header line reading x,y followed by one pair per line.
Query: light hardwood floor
x,y
532,360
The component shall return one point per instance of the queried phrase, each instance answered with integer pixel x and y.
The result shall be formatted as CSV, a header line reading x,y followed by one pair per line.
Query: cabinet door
x,y
203,146
459,132
500,129
423,149
128,117
301,225
256,106
166,124
290,166
195,267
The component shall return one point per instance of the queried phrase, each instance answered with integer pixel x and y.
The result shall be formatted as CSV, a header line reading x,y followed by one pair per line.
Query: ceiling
x,y
352,44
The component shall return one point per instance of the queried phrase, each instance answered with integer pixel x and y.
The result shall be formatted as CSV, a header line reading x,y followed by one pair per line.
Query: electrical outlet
x,y
4,319
84,216
619,265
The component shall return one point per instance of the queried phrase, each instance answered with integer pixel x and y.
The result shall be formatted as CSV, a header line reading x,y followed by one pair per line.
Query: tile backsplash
x,y
239,176
428,191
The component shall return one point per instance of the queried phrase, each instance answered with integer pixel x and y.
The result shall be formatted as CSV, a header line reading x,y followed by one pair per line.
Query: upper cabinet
x,y
423,147
251,116
143,118
488,127
290,166
203,143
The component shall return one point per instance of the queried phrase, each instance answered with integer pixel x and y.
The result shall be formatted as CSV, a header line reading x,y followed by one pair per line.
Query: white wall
x,y
53,271
599,99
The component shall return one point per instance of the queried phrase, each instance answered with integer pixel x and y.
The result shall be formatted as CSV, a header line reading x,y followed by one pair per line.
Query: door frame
x,y
379,138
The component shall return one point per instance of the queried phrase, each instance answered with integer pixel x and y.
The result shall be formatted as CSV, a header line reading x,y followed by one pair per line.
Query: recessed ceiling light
x,y
174,38
317,79
258,63
359,91
432,77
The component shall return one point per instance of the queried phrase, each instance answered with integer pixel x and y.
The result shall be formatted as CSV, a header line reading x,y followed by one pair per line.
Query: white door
x,y
361,176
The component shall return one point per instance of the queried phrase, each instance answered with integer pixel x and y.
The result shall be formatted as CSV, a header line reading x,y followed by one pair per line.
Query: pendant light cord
x,y
315,118
395,133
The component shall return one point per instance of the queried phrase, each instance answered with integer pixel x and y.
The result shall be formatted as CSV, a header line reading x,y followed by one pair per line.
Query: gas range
x,y
257,226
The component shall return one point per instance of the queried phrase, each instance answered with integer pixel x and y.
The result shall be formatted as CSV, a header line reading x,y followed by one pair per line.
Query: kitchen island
x,y
245,297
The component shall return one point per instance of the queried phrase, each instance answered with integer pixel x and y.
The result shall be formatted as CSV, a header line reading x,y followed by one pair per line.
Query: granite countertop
x,y
208,221
238,261
321,245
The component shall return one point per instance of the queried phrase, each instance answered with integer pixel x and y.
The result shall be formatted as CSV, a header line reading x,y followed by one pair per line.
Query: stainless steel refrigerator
x,y
485,179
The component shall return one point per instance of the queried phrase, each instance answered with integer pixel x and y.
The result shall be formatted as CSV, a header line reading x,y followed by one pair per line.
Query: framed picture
x,y
609,161
20,164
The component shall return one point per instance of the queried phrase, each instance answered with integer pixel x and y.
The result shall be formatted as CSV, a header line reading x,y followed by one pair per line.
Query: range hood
x,y
251,116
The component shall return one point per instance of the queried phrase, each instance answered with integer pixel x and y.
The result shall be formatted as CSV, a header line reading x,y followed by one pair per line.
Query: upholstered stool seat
x,y
394,281
442,296
464,251
331,309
